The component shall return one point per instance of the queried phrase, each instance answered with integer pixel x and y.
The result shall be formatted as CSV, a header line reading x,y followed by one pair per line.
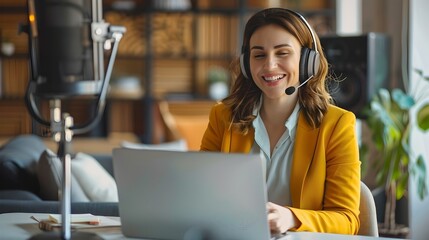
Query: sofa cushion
x,y
89,180
18,161
18,195
49,173
105,160
95,181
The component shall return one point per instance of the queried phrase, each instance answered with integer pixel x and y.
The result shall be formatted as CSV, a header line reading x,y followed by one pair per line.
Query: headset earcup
x,y
303,64
315,61
245,65
308,64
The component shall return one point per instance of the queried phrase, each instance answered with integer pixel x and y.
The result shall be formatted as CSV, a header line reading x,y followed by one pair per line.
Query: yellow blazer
x,y
325,174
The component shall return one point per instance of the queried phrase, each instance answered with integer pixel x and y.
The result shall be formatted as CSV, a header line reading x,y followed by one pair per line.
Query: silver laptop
x,y
190,195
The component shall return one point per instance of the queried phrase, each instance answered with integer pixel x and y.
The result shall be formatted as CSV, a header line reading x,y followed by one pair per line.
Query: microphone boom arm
x,y
116,33
112,32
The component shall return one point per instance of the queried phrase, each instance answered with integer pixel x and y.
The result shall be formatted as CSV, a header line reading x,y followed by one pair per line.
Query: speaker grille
x,y
359,65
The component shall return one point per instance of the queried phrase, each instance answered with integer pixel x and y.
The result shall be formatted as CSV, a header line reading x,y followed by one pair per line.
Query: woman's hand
x,y
280,219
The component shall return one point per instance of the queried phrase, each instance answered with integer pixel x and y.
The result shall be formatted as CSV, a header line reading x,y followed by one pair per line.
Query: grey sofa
x,y
19,186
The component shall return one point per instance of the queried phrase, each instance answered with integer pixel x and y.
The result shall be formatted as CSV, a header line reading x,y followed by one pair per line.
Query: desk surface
x,y
21,226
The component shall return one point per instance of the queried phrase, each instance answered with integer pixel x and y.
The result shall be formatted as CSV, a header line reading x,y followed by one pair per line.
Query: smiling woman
x,y
279,107
274,60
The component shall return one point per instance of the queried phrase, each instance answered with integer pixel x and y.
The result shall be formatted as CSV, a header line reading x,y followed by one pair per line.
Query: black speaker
x,y
361,64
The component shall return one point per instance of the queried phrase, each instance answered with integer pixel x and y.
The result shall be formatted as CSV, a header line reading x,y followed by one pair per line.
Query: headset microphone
x,y
291,90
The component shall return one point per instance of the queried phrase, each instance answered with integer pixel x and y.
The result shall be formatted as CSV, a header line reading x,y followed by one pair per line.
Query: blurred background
x,y
174,63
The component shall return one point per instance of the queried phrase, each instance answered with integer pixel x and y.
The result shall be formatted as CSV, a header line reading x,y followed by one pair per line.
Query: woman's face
x,y
274,60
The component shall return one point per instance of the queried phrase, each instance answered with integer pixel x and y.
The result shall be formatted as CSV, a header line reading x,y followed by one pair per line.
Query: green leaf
x,y
423,118
383,98
418,170
403,100
380,113
402,185
363,155
420,72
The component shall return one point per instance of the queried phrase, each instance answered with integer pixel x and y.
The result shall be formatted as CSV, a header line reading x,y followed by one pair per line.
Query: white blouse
x,y
279,164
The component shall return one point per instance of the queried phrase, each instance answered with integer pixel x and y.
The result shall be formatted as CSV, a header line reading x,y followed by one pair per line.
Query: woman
x,y
279,106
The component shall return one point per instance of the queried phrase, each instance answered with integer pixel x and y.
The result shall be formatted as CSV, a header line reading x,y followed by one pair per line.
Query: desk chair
x,y
368,213
190,119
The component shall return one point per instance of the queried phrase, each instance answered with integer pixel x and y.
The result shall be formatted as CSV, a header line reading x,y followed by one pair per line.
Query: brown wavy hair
x,y
313,97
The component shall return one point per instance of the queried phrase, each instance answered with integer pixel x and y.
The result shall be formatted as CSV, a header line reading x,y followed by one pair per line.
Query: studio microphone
x,y
292,89
65,66
66,39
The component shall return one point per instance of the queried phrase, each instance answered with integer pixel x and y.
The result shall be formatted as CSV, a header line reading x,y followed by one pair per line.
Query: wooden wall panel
x,y
15,118
14,77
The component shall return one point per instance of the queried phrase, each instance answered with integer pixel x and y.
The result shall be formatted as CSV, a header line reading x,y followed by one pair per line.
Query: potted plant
x,y
388,119
218,78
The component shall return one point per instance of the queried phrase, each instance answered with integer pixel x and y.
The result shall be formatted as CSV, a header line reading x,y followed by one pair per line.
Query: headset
x,y
309,60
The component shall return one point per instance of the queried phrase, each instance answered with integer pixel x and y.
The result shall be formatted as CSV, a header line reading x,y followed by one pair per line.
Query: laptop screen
x,y
169,195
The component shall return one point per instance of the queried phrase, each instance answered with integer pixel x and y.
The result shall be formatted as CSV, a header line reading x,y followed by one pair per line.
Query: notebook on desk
x,y
176,195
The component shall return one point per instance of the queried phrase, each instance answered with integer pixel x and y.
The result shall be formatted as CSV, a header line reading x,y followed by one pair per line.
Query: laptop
x,y
190,195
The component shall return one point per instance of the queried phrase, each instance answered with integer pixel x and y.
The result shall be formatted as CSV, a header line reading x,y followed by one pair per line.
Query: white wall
x,y
419,58
349,17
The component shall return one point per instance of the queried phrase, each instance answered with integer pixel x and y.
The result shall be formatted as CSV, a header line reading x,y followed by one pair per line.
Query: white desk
x,y
21,226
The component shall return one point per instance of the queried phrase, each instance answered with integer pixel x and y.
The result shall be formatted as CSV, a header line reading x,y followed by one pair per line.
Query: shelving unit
x,y
165,54
171,50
